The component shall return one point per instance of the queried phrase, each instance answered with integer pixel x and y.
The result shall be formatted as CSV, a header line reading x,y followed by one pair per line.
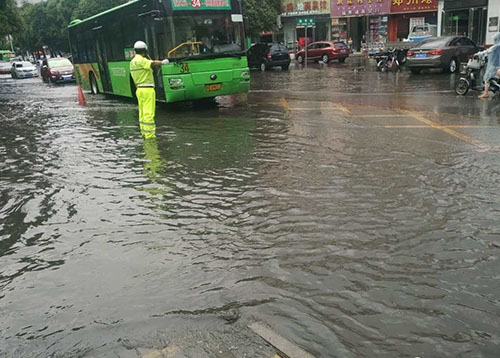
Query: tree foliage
x,y
45,23
261,15
10,18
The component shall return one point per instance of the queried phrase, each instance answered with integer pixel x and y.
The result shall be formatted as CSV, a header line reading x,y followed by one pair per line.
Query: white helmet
x,y
140,45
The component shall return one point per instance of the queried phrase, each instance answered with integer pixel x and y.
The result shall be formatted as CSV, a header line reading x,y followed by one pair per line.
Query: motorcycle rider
x,y
493,67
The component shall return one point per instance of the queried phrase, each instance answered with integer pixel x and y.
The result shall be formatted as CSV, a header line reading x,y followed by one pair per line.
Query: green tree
x,y
46,23
87,8
10,18
262,15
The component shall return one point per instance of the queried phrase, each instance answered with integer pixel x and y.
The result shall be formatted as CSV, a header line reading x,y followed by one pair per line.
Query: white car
x,y
23,69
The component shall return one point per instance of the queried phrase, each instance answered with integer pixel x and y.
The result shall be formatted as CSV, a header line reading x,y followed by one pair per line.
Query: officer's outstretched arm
x,y
159,63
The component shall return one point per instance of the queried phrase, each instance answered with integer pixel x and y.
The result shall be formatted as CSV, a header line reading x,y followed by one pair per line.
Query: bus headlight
x,y
245,74
175,81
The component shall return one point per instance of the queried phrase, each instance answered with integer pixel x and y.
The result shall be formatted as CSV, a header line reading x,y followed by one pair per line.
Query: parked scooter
x,y
388,60
472,76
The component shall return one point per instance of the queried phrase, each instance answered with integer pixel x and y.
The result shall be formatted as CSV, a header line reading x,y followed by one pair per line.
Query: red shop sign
x,y
413,5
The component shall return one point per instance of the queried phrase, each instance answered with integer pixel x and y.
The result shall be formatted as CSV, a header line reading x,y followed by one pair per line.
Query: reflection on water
x,y
349,239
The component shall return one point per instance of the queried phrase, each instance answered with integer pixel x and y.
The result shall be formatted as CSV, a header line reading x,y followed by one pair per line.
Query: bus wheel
x,y
93,84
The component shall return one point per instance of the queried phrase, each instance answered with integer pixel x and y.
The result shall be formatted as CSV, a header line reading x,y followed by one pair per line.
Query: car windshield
x,y
204,35
23,64
434,42
60,62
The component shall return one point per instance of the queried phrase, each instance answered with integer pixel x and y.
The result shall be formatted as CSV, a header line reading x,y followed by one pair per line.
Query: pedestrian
x,y
142,74
493,66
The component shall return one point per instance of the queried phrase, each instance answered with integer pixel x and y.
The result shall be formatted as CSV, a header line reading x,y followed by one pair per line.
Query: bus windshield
x,y
204,35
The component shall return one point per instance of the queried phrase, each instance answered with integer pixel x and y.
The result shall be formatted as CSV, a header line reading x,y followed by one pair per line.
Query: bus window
x,y
204,34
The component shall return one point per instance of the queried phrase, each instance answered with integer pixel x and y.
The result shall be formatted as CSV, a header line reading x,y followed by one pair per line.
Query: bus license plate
x,y
213,87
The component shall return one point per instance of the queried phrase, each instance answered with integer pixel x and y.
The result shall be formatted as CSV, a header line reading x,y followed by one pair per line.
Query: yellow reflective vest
x,y
141,71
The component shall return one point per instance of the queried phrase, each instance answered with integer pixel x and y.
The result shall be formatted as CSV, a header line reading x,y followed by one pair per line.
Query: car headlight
x,y
175,81
245,74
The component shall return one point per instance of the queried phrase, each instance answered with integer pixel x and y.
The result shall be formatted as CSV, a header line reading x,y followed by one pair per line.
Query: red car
x,y
57,69
324,51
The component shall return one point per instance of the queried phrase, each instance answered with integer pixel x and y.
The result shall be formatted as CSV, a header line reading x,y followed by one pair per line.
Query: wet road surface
x,y
354,212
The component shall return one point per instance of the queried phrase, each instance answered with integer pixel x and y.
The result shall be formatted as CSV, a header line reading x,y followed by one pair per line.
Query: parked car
x,y
325,51
23,69
5,68
265,56
58,69
441,52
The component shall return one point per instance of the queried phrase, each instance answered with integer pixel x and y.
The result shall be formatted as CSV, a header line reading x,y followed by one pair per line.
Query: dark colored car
x,y
265,56
58,69
325,51
441,52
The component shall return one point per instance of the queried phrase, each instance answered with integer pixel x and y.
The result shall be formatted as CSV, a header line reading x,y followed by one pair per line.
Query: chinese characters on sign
x,y
305,7
343,8
413,5
201,4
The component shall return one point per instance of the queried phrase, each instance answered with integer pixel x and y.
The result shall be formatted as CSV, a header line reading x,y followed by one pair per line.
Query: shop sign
x,y
305,7
347,8
201,4
306,22
493,24
413,5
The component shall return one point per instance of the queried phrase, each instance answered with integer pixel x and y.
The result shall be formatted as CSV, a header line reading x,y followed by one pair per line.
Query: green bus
x,y
6,55
203,39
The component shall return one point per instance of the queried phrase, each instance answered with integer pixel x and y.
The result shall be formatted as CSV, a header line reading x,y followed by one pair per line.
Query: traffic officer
x,y
142,74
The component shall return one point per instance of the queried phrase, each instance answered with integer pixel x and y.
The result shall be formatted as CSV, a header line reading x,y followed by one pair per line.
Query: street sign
x,y
306,21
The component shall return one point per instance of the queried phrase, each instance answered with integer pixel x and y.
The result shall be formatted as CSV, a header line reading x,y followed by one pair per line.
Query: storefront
x,y
360,21
305,21
407,15
493,21
466,18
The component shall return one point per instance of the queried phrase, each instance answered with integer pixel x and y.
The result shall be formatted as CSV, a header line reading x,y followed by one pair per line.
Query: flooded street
x,y
354,212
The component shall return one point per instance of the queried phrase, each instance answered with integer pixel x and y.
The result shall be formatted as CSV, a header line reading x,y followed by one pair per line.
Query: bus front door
x,y
102,61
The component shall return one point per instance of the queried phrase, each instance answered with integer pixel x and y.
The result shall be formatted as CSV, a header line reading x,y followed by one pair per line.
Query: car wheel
x,y
325,58
93,84
462,87
285,68
452,66
300,59
342,60
263,67
415,71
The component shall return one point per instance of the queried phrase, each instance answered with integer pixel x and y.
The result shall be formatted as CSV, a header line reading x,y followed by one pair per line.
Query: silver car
x,y
23,69
441,52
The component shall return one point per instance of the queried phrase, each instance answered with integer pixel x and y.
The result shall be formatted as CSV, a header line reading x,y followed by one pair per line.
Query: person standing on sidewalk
x,y
142,74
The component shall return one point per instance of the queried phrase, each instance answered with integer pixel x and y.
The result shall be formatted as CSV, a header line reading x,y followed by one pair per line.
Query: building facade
x,y
493,21
360,21
408,14
305,21
466,18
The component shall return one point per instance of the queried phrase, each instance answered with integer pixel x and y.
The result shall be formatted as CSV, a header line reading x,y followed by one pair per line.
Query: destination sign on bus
x,y
201,4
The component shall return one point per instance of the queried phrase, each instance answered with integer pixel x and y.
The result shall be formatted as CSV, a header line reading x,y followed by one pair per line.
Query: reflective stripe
x,y
148,131
148,123
146,85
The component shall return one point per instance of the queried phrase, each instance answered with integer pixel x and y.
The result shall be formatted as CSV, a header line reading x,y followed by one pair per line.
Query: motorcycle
x,y
472,76
388,60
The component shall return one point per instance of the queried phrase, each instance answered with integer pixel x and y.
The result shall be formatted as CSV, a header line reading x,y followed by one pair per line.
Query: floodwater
x,y
354,212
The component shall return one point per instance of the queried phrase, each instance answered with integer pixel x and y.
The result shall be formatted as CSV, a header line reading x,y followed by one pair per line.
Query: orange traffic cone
x,y
81,97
